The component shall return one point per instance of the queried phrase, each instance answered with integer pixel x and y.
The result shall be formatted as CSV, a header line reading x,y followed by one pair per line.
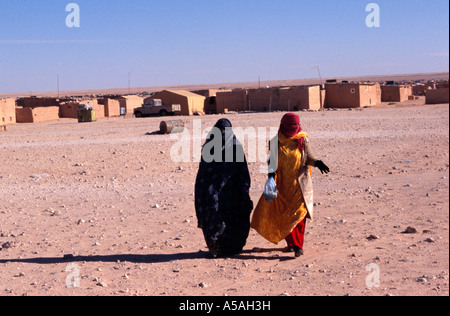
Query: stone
x,y
410,230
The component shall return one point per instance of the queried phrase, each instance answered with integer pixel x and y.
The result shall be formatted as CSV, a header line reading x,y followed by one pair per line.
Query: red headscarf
x,y
290,127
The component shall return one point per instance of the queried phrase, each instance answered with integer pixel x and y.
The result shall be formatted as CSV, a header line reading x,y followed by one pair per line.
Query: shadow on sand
x,y
151,258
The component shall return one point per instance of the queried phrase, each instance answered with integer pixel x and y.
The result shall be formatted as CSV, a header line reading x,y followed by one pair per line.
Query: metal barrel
x,y
171,127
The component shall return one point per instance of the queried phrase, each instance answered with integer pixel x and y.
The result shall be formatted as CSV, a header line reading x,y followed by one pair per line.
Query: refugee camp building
x,y
285,99
294,98
352,95
35,102
37,115
111,107
130,102
395,93
70,109
7,111
211,99
190,102
235,100
437,96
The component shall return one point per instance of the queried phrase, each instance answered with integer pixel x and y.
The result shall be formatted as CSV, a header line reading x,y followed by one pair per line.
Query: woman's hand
x,y
322,167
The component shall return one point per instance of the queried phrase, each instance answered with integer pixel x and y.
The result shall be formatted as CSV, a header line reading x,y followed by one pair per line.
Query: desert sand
x,y
104,200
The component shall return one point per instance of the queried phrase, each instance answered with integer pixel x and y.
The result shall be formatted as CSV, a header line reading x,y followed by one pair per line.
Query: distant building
x,y
190,102
271,99
437,96
235,101
111,107
7,111
395,93
211,99
130,102
37,115
35,102
70,109
352,95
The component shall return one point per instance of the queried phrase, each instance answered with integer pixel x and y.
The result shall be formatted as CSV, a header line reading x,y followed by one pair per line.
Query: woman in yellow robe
x,y
285,217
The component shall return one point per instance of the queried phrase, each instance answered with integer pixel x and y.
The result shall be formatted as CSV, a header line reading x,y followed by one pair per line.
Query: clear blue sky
x,y
175,42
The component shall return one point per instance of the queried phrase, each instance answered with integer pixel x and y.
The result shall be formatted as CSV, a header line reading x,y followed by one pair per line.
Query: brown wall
x,y
111,106
37,102
130,103
300,98
395,93
262,100
7,111
342,96
270,99
70,109
370,94
211,100
235,100
352,95
37,115
440,95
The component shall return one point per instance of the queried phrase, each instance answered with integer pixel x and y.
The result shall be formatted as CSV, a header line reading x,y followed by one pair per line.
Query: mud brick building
x,y
352,95
437,96
37,115
7,111
395,93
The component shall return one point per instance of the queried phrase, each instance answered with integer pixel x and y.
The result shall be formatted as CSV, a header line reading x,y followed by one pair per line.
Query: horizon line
x,y
92,91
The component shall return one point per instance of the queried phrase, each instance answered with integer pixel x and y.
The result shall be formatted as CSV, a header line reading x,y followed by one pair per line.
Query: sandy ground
x,y
106,202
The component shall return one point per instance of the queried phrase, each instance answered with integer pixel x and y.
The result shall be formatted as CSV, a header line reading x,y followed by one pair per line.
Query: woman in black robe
x,y
222,199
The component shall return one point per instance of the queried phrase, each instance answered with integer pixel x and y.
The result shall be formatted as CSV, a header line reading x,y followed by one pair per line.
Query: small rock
x,y
410,230
430,240
102,284
372,237
203,285
7,245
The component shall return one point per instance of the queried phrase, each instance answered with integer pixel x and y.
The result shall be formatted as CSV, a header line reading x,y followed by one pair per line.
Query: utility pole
x,y
321,85
318,70
129,82
57,83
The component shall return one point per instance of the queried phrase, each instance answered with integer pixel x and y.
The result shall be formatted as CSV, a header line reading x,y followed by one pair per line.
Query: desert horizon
x,y
412,77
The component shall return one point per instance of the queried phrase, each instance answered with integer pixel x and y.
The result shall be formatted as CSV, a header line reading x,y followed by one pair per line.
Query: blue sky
x,y
175,42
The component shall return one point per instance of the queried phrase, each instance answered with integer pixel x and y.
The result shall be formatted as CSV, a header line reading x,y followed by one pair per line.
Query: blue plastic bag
x,y
270,190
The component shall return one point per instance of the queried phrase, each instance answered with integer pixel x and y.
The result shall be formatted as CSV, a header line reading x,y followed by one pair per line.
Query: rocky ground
x,y
106,201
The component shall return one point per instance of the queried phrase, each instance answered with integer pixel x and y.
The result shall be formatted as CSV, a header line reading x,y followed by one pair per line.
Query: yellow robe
x,y
275,221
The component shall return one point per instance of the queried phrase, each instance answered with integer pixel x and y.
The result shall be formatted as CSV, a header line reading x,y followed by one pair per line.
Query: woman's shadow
x,y
152,258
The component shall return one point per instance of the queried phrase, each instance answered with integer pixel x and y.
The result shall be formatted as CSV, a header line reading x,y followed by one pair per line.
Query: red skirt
x,y
297,237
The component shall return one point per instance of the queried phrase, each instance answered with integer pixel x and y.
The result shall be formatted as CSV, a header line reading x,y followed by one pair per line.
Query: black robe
x,y
222,201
